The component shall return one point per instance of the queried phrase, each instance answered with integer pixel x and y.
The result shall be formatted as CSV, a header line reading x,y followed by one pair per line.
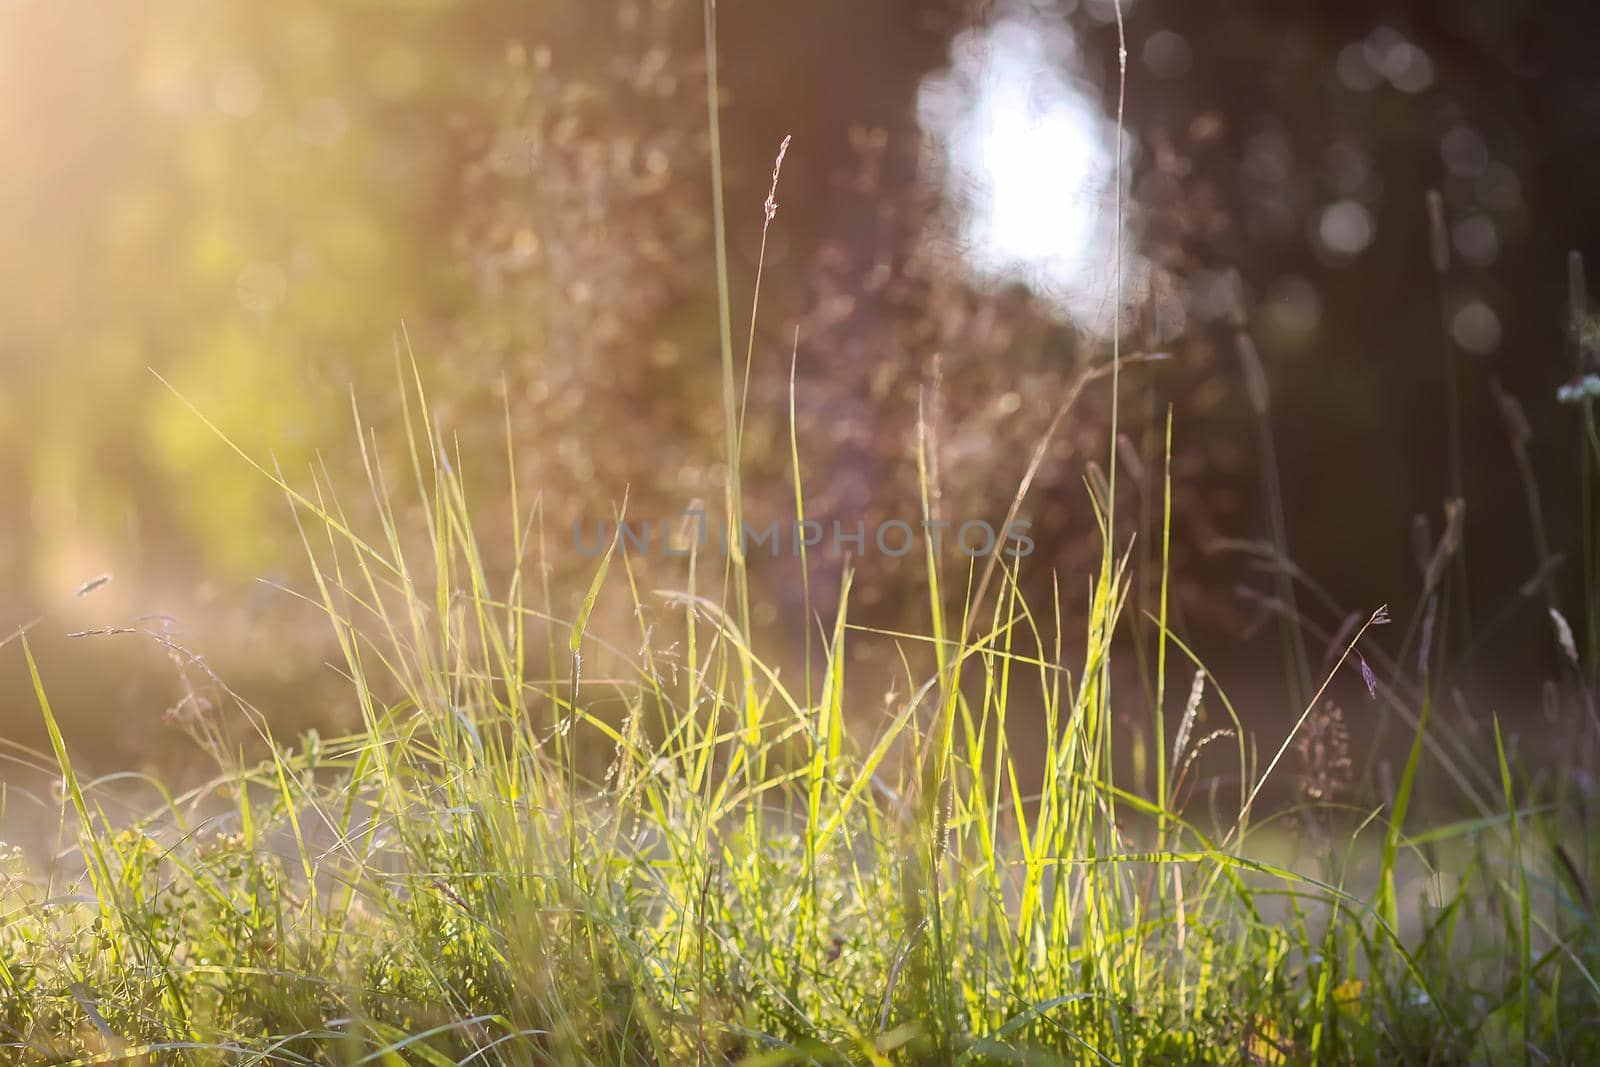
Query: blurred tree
x,y
251,199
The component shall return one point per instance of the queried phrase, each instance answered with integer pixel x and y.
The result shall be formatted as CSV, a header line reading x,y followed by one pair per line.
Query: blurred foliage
x,y
274,206
240,198
270,207
248,200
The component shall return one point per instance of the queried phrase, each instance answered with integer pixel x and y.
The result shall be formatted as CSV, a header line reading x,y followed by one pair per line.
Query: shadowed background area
x,y
267,204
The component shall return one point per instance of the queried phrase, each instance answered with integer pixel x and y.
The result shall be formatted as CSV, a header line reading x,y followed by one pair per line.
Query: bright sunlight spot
x,y
1028,162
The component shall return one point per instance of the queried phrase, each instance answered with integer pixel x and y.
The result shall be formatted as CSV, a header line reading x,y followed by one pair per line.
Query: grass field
x,y
696,858
723,866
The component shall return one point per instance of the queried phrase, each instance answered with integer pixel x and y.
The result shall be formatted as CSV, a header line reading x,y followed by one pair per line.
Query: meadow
x,y
634,836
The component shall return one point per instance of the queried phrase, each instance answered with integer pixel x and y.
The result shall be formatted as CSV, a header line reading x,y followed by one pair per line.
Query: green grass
x,y
702,862
689,857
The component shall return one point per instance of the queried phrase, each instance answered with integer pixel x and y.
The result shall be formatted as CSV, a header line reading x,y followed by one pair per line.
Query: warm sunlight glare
x,y
1028,160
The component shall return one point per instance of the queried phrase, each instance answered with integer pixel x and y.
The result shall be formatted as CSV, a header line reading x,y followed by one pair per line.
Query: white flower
x,y
1583,387
1564,636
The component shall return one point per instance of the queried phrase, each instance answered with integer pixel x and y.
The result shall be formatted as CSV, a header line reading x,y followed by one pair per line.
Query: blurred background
x,y
274,207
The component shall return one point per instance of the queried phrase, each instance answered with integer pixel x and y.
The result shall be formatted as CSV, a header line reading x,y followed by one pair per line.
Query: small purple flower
x,y
1368,677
